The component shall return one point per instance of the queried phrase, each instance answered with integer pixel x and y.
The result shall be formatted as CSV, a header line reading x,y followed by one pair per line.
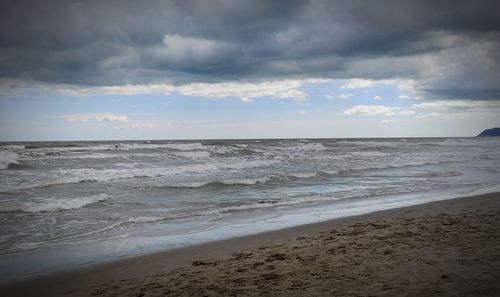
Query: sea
x,y
71,204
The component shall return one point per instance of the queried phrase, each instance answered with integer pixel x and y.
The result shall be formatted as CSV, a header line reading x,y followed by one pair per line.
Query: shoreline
x,y
75,281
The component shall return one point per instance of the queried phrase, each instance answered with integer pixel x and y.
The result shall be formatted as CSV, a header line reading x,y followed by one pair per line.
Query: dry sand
x,y
447,248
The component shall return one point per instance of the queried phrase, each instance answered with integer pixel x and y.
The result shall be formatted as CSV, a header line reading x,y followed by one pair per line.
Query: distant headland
x,y
490,132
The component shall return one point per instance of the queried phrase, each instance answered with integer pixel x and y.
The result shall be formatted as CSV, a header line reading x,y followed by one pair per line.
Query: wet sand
x,y
446,248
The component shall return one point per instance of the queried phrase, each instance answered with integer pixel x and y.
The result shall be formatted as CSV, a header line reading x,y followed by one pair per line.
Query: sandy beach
x,y
249,148
446,248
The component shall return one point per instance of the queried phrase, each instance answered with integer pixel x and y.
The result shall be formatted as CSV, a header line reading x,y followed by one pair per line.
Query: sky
x,y
111,70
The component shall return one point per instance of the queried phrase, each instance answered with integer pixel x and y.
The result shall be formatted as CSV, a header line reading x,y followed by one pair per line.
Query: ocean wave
x,y
195,150
307,175
79,176
56,204
390,166
62,147
316,198
250,181
67,147
89,175
248,163
7,158
304,174
56,150
233,151
371,143
441,174
273,203
13,147
191,146
369,154
192,154
459,142
156,218
51,145
36,156
312,146
219,183
301,147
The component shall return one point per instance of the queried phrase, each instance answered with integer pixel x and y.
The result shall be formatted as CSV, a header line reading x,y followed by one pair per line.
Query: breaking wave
x,y
7,158
251,181
272,203
79,176
57,204
219,183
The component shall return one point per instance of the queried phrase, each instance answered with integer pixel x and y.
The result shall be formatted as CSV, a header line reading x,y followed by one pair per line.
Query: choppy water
x,y
105,199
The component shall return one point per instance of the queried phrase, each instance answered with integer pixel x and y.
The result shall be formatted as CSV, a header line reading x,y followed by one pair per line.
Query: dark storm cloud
x,y
450,47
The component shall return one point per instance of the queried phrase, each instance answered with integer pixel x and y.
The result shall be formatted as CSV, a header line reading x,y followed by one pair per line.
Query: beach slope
x,y
447,248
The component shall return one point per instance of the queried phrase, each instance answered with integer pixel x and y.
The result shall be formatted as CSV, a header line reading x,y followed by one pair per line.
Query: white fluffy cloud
x,y
284,89
137,89
370,110
457,104
341,96
129,90
246,91
407,85
98,117
358,83
345,96
377,98
407,112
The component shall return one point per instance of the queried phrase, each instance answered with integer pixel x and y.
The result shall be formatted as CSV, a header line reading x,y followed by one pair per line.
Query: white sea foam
x,y
408,163
246,181
192,154
368,154
442,174
315,198
468,141
222,150
272,203
69,148
302,147
156,218
263,204
249,163
23,246
185,146
89,175
150,146
84,155
250,181
313,146
145,219
85,175
66,151
371,143
7,158
13,147
304,174
225,182
57,204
